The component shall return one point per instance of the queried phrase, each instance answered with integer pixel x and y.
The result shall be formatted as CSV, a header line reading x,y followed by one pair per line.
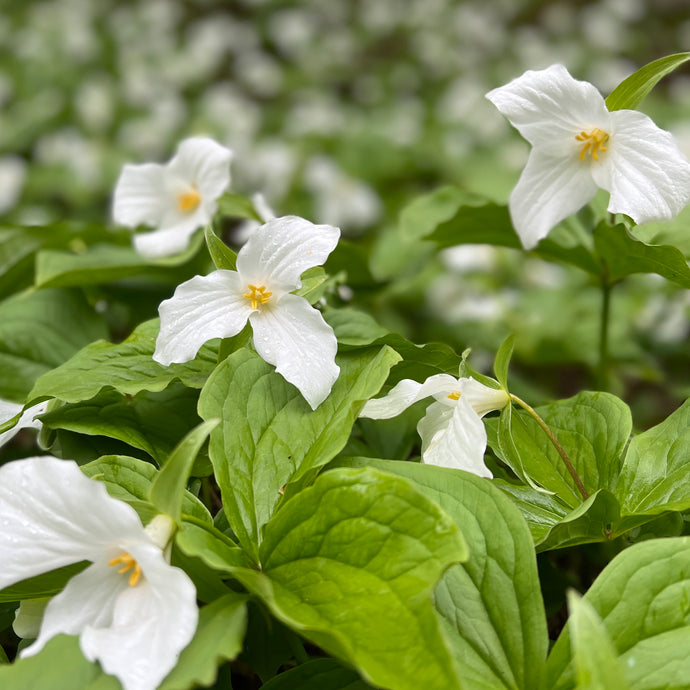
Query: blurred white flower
x,y
579,146
12,176
242,232
288,332
132,611
176,198
26,421
452,432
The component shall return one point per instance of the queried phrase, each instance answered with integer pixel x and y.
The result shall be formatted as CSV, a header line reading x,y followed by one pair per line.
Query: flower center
x,y
257,295
454,396
128,563
593,142
188,201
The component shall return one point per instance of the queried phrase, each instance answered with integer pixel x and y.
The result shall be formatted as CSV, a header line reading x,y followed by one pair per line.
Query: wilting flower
x,y
452,432
578,145
26,421
176,198
132,611
288,332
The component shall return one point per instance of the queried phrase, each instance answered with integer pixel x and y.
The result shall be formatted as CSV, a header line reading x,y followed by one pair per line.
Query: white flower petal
x,y
88,600
293,336
26,421
550,189
482,398
645,172
459,438
408,392
202,308
549,107
141,195
28,617
277,253
168,242
204,164
151,624
44,528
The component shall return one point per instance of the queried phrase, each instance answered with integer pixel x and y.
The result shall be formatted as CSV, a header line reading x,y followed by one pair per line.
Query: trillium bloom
x,y
132,611
452,432
26,421
288,332
578,145
176,198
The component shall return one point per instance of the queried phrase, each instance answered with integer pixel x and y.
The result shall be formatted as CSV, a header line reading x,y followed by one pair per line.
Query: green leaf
x,y
238,206
351,563
59,665
491,605
596,661
169,486
39,330
633,89
43,585
218,638
654,477
127,367
318,674
502,361
223,257
270,436
643,599
103,263
623,255
203,541
152,422
593,428
130,479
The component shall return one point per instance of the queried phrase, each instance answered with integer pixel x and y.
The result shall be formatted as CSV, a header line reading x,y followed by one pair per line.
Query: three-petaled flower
x,y
176,198
578,145
452,432
133,611
288,332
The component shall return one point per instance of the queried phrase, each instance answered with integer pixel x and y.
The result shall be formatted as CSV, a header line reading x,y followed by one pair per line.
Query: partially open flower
x,y
579,146
452,432
176,198
133,611
288,332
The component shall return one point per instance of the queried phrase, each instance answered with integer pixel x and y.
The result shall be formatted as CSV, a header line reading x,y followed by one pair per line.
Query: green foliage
x,y
223,257
318,674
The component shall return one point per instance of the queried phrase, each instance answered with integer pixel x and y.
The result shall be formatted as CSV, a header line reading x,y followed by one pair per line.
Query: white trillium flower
x,y
26,421
133,611
452,431
288,332
578,146
176,198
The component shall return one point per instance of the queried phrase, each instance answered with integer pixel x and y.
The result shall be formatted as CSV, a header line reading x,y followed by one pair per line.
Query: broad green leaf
x,y
314,282
643,599
425,213
622,255
654,477
3,656
270,436
238,206
169,486
596,661
39,330
127,367
103,263
218,638
318,674
43,585
633,89
152,422
351,563
60,665
203,541
502,361
353,327
223,257
593,428
130,479
491,605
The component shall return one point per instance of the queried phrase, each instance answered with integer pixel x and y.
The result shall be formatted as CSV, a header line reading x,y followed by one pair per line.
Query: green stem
x,y
297,648
603,368
559,448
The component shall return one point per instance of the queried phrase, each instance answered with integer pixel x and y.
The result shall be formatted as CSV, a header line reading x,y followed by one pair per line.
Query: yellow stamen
x,y
257,295
454,396
188,201
593,142
128,563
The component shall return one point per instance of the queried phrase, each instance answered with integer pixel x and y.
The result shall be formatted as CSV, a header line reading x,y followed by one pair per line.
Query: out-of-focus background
x,y
343,111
